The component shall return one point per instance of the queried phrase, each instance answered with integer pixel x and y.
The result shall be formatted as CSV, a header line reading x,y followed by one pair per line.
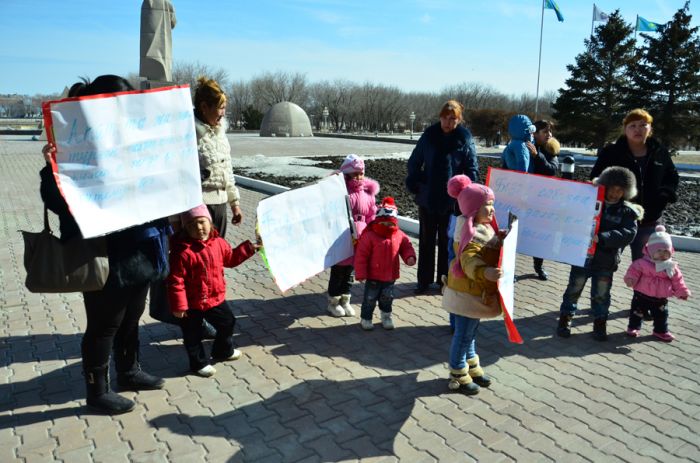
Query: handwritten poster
x,y
557,217
126,158
305,230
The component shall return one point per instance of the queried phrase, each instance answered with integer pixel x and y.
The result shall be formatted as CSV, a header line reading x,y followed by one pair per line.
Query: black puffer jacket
x,y
436,158
618,227
660,182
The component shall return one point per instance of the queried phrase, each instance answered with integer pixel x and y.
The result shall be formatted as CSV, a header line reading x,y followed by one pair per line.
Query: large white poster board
x,y
305,230
126,158
557,217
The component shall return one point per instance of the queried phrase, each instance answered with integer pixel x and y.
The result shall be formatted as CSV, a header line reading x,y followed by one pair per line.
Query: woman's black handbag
x,y
53,266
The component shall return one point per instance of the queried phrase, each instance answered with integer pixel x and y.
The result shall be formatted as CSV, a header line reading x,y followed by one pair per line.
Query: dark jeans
x,y
658,307
113,315
219,217
222,319
601,282
381,292
433,227
641,238
340,280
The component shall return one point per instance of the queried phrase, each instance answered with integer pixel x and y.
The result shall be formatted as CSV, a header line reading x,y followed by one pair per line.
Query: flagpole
x,y
592,20
539,65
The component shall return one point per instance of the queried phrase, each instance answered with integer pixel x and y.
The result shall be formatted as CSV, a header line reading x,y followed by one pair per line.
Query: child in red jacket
x,y
377,261
197,289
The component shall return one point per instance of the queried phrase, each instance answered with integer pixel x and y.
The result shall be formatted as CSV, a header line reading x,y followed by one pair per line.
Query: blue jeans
x,y
463,345
601,282
377,291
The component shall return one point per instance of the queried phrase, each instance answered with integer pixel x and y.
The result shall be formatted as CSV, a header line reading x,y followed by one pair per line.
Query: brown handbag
x,y
53,266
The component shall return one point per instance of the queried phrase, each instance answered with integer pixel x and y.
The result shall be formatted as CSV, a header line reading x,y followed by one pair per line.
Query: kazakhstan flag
x,y
552,5
646,26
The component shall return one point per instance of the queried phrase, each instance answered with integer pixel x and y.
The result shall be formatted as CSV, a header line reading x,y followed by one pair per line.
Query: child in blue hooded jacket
x,y
516,156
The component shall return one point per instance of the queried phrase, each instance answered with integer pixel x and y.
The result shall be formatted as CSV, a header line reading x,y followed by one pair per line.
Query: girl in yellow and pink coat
x,y
471,292
655,278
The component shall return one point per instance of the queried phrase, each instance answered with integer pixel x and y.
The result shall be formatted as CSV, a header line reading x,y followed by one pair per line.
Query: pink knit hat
x,y
352,165
199,211
470,197
659,240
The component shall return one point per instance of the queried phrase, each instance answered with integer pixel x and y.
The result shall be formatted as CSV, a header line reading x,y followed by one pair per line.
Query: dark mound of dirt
x,y
682,217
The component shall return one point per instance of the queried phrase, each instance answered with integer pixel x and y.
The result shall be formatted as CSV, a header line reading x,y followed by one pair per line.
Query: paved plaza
x,y
312,388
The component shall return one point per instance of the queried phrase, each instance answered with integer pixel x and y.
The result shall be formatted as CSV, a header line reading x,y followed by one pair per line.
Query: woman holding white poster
x,y
656,175
137,257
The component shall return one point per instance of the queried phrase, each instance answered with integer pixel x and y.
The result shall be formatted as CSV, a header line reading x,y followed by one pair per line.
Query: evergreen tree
x,y
667,80
592,105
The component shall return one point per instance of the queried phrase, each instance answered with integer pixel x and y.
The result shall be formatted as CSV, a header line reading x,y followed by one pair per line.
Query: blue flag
x,y
552,5
646,26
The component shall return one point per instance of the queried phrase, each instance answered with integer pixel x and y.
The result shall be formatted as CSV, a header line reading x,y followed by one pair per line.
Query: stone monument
x,y
157,23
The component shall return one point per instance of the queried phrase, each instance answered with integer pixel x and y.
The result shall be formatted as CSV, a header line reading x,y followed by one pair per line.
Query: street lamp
x,y
325,117
412,117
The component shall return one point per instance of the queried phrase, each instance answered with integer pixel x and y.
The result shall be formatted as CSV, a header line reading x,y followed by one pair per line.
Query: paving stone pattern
x,y
313,388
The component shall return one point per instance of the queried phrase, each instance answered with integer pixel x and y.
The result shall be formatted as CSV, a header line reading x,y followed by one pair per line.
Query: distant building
x,y
286,119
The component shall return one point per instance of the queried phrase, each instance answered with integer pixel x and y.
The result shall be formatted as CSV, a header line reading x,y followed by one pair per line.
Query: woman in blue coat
x,y
444,150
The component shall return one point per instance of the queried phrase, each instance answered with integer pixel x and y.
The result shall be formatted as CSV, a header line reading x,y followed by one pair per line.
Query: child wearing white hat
x,y
655,277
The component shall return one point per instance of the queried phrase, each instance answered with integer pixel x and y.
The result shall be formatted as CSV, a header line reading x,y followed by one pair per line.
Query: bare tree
x,y
188,73
270,88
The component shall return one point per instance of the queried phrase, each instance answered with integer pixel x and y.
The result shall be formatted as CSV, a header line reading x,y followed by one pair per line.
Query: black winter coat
x,y
436,158
618,227
660,182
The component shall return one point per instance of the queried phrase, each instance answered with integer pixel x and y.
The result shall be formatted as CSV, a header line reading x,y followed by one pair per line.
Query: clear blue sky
x,y
413,44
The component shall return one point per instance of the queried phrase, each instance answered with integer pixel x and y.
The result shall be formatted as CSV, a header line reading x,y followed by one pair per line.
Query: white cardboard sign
x,y
557,217
123,159
305,230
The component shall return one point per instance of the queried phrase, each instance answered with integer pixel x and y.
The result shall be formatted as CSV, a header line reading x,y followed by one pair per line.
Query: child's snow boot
x,y
345,305
564,327
387,322
477,373
461,381
334,307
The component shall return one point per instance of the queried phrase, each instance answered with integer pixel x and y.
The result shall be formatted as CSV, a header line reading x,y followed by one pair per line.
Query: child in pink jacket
x,y
361,193
655,278
377,261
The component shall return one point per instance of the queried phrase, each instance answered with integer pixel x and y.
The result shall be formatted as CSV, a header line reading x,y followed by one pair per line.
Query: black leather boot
x,y
541,274
99,396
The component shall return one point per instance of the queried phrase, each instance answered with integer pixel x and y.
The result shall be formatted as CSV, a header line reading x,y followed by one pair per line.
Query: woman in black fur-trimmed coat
x,y
656,175
444,150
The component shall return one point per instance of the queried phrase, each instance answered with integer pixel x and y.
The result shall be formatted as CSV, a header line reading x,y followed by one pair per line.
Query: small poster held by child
x,y
506,287
305,230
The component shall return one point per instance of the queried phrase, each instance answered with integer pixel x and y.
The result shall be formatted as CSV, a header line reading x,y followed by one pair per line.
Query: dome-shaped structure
x,y
286,119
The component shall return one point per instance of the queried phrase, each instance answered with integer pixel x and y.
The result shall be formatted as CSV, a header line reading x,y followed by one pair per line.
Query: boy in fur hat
x,y
361,193
655,278
618,226
377,261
